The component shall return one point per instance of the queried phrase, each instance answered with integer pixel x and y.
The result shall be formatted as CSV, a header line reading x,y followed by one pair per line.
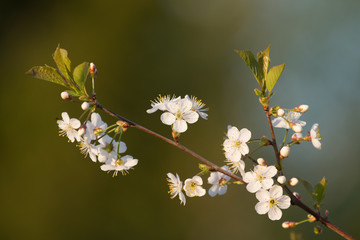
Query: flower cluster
x,y
178,112
95,142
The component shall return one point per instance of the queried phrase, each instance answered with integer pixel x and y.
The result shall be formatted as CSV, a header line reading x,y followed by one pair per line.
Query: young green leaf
x,y
250,60
80,75
49,74
62,62
320,189
273,75
258,92
308,187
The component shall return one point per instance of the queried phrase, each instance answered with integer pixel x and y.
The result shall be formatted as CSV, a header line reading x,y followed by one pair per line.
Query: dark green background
x,y
143,48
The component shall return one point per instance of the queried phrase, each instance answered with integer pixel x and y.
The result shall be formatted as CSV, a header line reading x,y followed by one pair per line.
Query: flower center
x,y
119,162
272,202
108,148
222,182
178,114
97,131
259,177
237,144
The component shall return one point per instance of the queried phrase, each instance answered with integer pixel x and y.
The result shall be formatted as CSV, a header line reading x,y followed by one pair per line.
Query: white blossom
x,y
120,165
198,106
236,166
260,178
193,187
160,103
87,148
289,117
175,186
271,201
108,149
68,127
219,182
95,127
235,145
179,114
315,136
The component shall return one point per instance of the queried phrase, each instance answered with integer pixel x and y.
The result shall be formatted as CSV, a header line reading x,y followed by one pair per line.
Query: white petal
x,y
191,116
107,167
253,186
270,171
172,106
203,115
214,178
182,198
279,122
122,147
180,126
185,105
167,118
199,191
233,133
171,177
274,213
267,183
213,190
65,117
198,180
249,177
284,202
245,135
262,195
276,191
151,110
222,190
262,207
75,123
244,149
316,143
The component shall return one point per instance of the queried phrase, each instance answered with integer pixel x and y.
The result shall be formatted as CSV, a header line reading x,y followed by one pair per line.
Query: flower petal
x,y
198,180
233,133
284,202
213,190
191,116
182,198
274,213
244,135
270,171
253,186
267,183
262,207
180,125
262,195
222,190
167,118
276,191
65,117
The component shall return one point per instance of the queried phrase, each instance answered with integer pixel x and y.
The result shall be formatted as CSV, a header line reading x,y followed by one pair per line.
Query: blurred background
x,y
146,48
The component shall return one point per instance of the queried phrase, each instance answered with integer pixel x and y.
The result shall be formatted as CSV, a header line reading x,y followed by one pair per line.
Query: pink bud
x,y
288,224
293,181
296,137
93,70
297,195
303,108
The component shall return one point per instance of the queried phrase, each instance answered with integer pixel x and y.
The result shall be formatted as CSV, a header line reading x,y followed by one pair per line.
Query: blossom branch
x,y
212,166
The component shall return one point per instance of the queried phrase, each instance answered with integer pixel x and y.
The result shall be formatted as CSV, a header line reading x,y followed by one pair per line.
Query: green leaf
x,y
80,75
320,189
273,75
47,73
308,187
250,60
258,92
63,62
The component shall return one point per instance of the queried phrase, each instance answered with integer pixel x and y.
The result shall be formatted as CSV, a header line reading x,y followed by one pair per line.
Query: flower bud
x,y
281,179
93,70
85,106
293,181
311,218
123,124
82,130
296,127
297,195
288,224
296,137
66,96
261,162
317,230
284,152
280,112
302,108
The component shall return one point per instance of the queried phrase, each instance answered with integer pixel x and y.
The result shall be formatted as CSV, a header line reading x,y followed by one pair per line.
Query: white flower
x,y
197,106
235,145
260,178
315,136
290,117
236,166
68,127
218,181
179,115
160,103
120,165
87,148
193,187
95,127
175,186
108,149
271,202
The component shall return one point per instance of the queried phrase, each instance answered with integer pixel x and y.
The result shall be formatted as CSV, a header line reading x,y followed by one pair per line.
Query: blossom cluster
x,y
95,142
178,112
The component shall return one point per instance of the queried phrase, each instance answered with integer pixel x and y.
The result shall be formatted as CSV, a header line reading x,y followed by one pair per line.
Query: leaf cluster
x,y
73,80
316,193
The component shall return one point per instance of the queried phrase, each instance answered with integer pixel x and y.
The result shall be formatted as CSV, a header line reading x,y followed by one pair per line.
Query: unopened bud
x,y
302,108
296,127
317,230
93,70
288,224
296,137
261,162
284,152
280,112
123,124
175,136
66,96
293,181
326,213
82,130
297,195
311,218
85,106
281,179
